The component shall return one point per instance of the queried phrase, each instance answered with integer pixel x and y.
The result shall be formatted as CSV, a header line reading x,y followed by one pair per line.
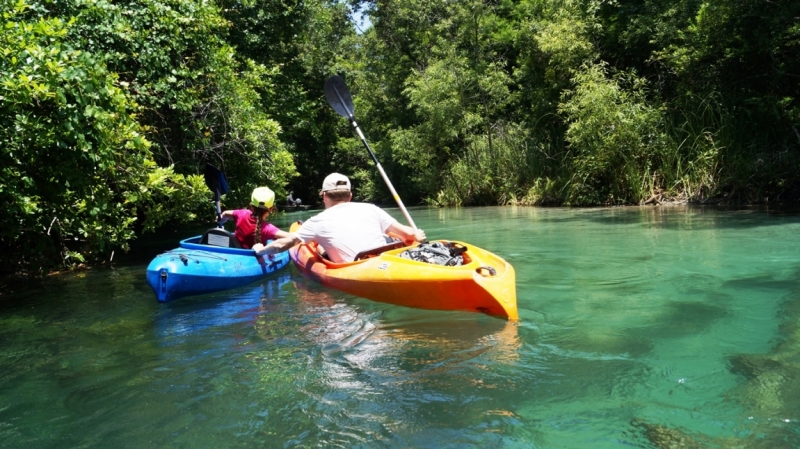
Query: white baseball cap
x,y
335,181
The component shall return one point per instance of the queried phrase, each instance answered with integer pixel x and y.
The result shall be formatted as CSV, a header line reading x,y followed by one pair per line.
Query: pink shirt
x,y
246,226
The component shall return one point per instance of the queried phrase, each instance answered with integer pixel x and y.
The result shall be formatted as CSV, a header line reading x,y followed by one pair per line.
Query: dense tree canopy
x,y
110,110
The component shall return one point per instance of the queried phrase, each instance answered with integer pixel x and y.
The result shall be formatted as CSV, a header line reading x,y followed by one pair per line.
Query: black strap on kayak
x,y
437,253
367,253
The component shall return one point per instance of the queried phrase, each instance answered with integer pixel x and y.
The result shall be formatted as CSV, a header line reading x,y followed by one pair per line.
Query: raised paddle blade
x,y
215,181
338,95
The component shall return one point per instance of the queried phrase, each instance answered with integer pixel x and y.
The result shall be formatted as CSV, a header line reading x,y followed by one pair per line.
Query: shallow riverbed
x,y
639,327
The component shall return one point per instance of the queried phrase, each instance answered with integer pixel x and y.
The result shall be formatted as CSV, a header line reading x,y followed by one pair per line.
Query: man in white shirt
x,y
344,229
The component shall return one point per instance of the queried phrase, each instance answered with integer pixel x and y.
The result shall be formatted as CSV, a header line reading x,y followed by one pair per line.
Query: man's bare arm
x,y
407,233
277,246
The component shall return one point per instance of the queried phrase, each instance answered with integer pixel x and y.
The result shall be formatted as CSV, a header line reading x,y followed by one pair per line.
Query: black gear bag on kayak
x,y
437,253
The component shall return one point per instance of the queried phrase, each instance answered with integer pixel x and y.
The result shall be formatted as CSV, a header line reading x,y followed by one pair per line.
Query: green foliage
x,y
78,174
73,156
544,191
110,110
489,174
299,43
199,99
735,58
618,139
240,133
168,196
455,87
695,157
614,102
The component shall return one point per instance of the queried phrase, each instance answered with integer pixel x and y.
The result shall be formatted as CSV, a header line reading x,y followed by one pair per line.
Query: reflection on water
x,y
640,327
382,377
218,309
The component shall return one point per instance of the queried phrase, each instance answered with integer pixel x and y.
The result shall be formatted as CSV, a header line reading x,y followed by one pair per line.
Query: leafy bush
x,y
489,174
75,165
618,139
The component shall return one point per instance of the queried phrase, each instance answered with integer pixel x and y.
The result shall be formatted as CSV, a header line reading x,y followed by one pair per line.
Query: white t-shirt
x,y
346,229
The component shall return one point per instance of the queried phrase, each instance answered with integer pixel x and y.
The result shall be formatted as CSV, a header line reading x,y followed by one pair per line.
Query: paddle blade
x,y
215,180
338,96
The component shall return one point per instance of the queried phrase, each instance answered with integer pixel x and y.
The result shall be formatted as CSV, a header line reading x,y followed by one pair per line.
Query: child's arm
x,y
225,216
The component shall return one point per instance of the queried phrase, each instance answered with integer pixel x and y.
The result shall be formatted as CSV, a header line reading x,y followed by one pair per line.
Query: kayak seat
x,y
367,253
219,237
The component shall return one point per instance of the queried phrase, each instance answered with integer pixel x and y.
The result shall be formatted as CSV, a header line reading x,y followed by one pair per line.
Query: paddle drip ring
x,y
486,271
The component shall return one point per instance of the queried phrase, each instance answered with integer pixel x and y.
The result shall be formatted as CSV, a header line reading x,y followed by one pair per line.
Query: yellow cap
x,y
262,197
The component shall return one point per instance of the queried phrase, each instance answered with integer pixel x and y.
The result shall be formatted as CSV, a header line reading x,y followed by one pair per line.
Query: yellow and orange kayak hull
x,y
484,283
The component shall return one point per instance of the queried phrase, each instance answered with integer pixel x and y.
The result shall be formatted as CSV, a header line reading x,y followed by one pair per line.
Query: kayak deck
x,y
195,269
484,283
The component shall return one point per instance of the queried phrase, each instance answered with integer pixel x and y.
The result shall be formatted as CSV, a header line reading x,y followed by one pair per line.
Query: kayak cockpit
x,y
219,237
216,240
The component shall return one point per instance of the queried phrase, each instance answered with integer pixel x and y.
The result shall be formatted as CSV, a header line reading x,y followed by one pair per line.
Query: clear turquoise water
x,y
640,327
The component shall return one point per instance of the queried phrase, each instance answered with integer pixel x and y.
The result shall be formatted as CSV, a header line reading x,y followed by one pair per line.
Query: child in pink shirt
x,y
255,217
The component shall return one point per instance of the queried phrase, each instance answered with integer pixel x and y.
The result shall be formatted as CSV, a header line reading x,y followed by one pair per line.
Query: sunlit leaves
x,y
619,140
72,151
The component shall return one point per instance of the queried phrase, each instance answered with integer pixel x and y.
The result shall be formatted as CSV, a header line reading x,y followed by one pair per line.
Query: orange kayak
x,y
484,283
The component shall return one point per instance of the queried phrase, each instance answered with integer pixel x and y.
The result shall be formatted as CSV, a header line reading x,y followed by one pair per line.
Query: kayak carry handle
x,y
484,270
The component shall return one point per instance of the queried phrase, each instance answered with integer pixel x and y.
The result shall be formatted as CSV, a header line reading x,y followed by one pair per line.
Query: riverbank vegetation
x,y
109,110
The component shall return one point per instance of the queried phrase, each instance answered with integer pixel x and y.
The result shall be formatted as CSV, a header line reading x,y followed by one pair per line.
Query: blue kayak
x,y
204,264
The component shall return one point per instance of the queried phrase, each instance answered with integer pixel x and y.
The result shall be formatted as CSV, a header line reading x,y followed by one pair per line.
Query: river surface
x,y
639,327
